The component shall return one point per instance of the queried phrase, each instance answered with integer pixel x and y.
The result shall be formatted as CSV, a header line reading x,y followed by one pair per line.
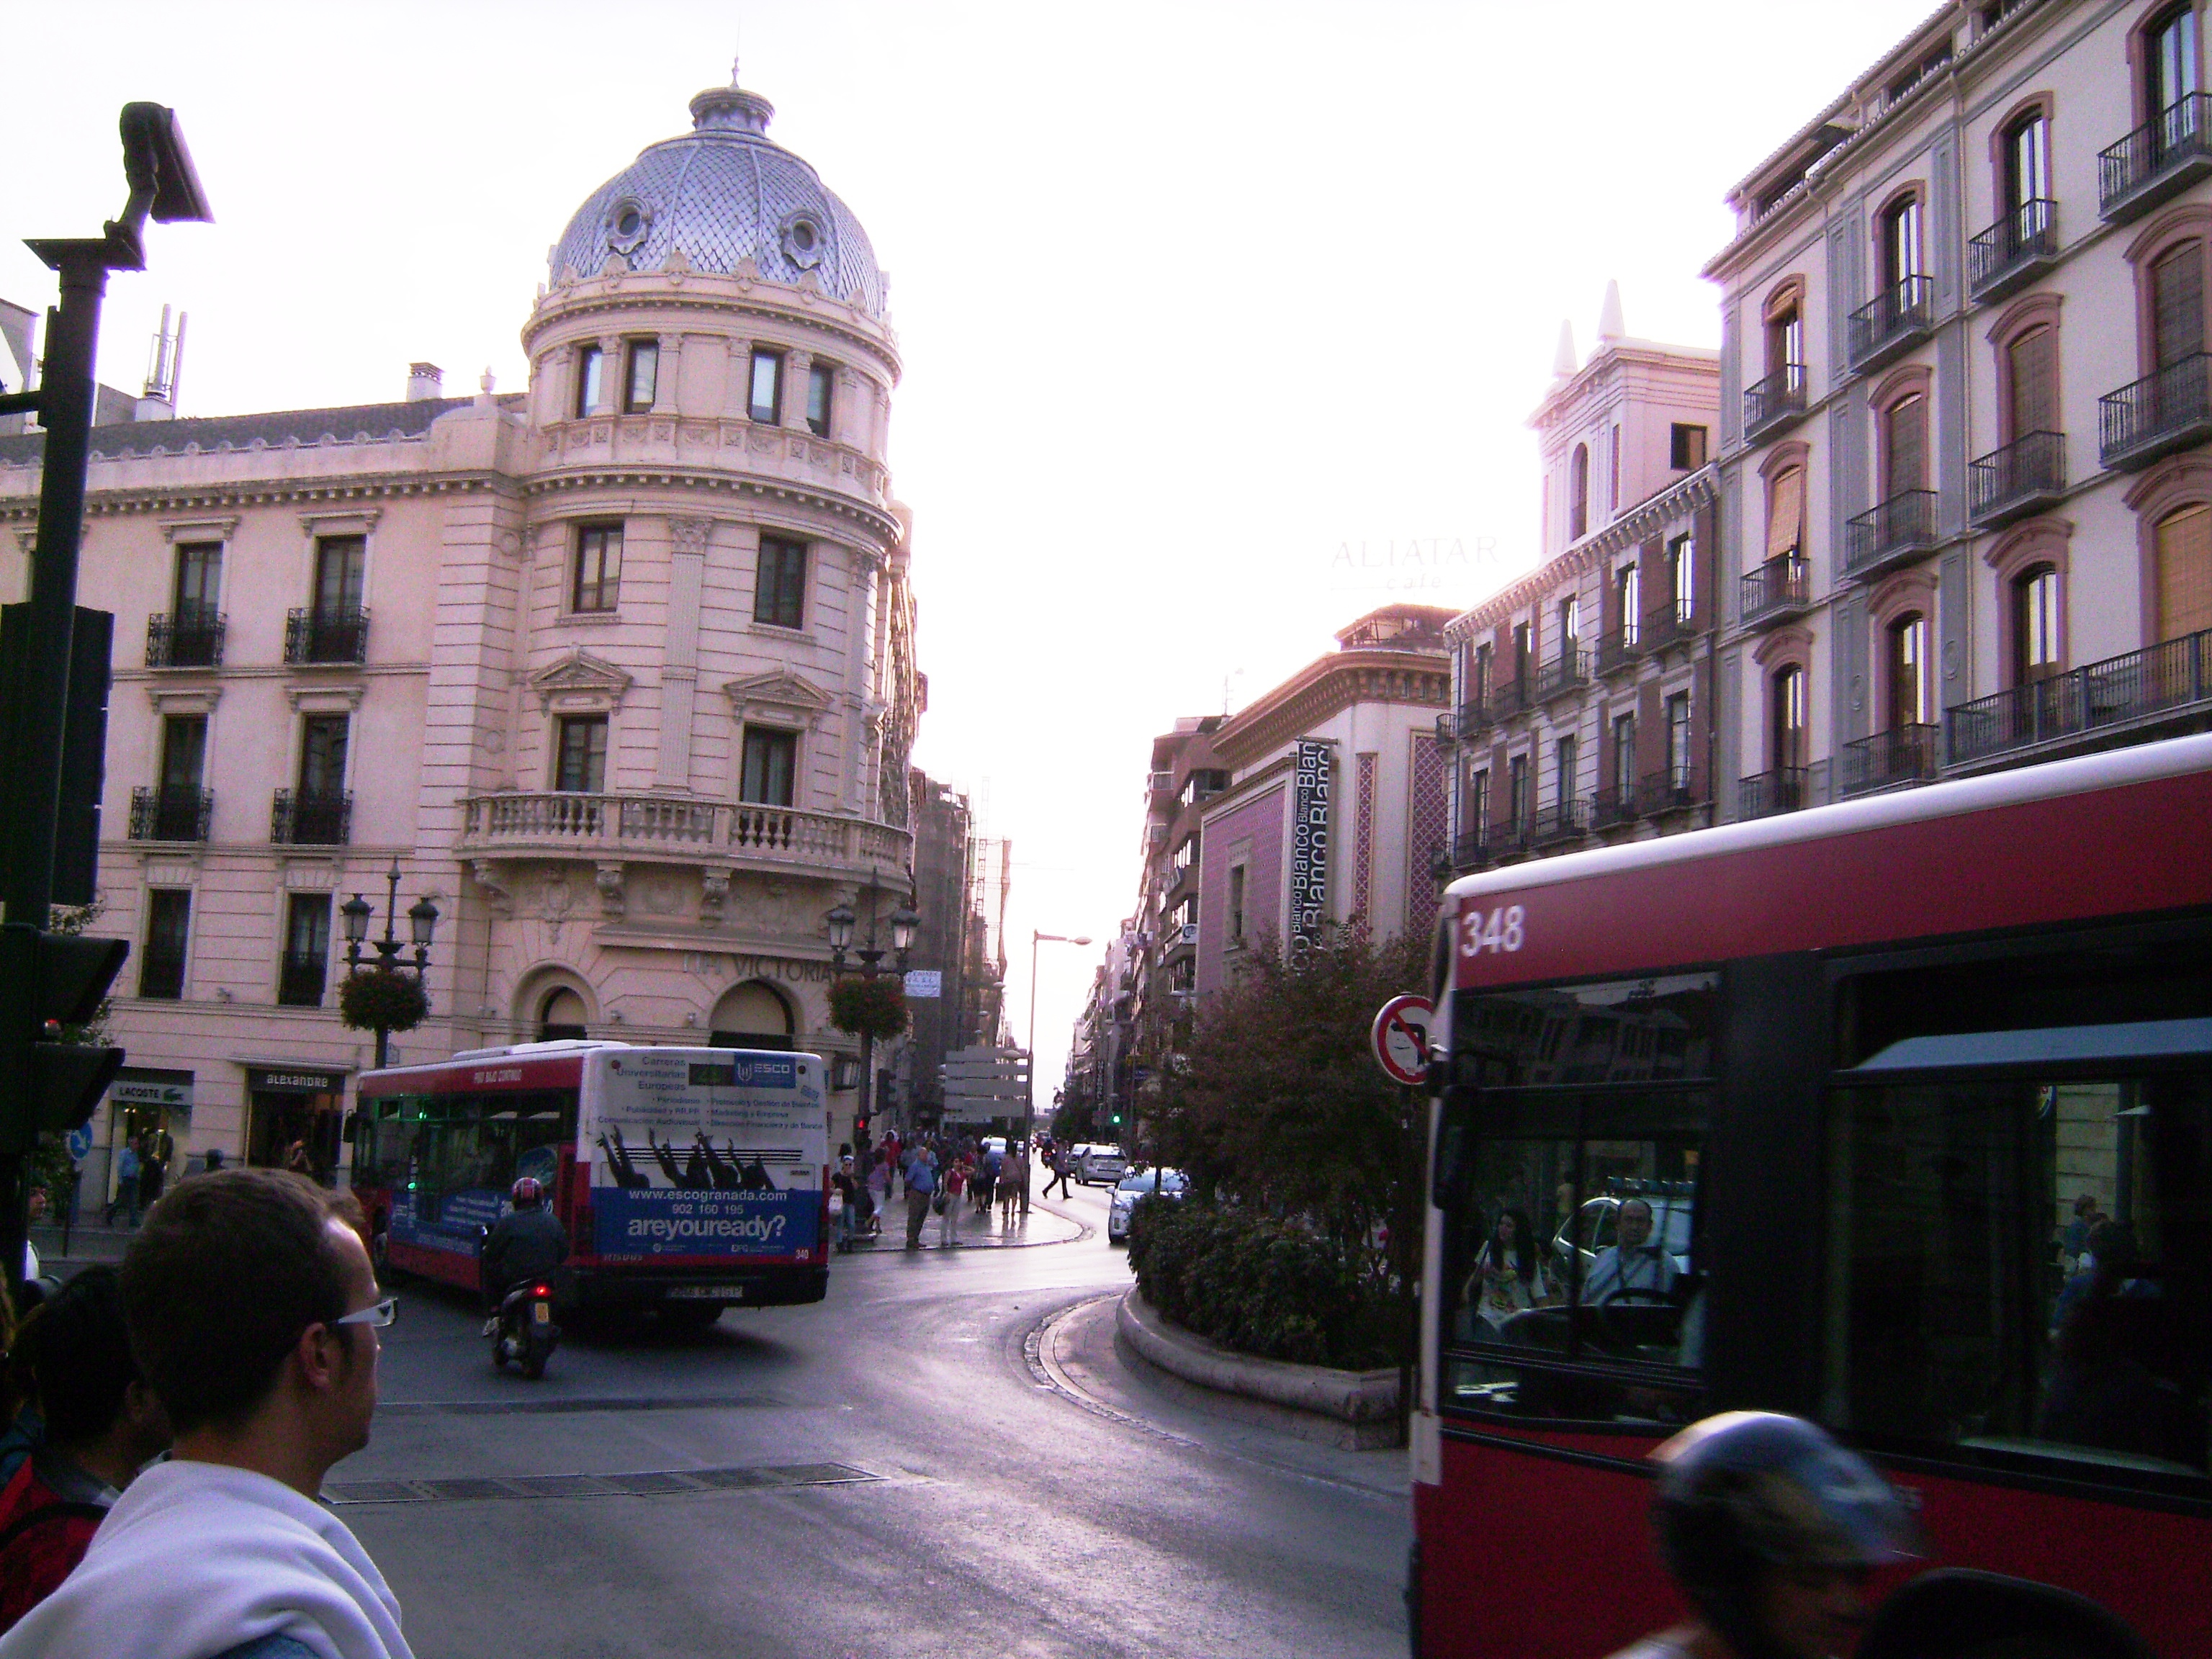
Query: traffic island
x,y
1357,1410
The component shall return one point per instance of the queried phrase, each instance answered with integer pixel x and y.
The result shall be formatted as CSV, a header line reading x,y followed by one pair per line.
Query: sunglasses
x,y
379,1313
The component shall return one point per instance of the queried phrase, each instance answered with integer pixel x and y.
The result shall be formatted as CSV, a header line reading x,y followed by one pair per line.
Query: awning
x,y
1785,523
2055,1046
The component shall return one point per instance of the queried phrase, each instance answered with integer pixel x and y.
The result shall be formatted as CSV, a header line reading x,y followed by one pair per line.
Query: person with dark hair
x,y
253,1313
101,1423
1508,1276
1771,1530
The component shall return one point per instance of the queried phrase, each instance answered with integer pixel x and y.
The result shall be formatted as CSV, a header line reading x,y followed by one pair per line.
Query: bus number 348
x,y
1501,932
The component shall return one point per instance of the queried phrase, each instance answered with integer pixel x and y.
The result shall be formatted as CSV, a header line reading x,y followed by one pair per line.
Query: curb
x,y
1367,1401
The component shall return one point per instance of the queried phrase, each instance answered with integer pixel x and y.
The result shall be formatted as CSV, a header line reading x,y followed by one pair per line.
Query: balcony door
x,y
2177,297
1900,246
1678,743
1786,720
1516,790
1631,588
2170,67
340,578
184,756
1905,447
2031,389
2027,167
1624,758
2185,573
1566,761
306,967
200,583
322,742
770,761
1907,672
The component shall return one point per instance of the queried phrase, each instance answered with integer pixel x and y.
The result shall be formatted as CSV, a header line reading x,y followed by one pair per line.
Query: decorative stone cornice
x,y
580,679
779,692
879,525
1325,688
263,492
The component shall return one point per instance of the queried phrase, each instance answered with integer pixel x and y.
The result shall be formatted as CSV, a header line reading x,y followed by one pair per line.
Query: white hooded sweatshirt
x,y
197,1559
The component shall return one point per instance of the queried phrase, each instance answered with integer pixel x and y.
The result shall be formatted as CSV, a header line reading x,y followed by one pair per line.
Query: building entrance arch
x,y
752,1015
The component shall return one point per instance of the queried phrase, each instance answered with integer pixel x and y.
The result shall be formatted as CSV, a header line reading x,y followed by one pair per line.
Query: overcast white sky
x,y
1198,300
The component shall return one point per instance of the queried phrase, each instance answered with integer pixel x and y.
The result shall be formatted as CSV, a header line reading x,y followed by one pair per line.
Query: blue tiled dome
x,y
723,193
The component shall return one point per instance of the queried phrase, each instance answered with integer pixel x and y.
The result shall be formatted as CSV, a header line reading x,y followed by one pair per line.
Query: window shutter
x,y
1908,447
2177,304
1785,519
2185,573
2034,363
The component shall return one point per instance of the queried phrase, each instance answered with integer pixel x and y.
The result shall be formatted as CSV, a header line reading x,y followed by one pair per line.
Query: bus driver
x,y
1633,1264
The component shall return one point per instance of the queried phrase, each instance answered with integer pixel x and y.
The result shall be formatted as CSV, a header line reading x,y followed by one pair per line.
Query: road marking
x,y
557,1405
646,1483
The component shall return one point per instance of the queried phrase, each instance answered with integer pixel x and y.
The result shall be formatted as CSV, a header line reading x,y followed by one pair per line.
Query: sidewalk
x,y
90,1240
1045,1225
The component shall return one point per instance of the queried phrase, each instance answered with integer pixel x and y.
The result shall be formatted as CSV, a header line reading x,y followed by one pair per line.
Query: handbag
x,y
937,1202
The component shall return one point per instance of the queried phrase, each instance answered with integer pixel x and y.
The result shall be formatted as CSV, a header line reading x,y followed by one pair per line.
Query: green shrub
x,y
1264,1286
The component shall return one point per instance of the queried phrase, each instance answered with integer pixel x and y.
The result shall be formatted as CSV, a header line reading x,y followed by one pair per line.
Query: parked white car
x,y
1139,1183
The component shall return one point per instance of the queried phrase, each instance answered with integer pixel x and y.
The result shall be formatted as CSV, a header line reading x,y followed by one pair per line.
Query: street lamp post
x,y
1028,1100
422,923
842,919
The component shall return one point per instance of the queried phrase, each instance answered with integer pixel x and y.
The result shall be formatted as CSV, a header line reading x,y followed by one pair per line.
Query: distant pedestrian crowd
x,y
938,1176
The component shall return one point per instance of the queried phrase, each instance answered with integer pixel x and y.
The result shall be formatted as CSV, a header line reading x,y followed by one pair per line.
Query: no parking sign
x,y
1400,1037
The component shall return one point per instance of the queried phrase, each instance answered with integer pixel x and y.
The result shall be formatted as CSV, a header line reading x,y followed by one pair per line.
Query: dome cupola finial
x,y
731,108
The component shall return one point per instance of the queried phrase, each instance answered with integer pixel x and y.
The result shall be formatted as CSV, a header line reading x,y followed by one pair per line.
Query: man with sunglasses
x,y
253,1313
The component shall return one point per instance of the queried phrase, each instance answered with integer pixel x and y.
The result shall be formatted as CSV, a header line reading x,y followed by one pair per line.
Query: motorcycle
x,y
525,1333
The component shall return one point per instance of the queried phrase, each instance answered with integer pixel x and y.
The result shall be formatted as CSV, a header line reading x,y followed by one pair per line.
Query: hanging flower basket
x,y
382,999
869,1007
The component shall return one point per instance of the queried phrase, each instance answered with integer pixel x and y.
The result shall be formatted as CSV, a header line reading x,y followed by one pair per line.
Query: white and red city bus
x,y
1796,1114
689,1180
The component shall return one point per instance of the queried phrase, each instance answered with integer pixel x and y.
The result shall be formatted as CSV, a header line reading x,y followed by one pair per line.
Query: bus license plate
x,y
542,1312
703,1292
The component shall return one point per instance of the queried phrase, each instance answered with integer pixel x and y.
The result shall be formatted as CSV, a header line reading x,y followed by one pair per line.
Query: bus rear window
x,y
2020,1269
1630,1030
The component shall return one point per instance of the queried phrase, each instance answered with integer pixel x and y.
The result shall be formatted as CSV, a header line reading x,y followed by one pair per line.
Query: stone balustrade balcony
x,y
674,830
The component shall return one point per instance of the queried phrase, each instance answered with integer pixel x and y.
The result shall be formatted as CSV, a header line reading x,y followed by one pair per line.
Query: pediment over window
x,y
779,694
581,680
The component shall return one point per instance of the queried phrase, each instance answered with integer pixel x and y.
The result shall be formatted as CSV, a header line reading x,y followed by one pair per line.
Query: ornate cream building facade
x,y
619,670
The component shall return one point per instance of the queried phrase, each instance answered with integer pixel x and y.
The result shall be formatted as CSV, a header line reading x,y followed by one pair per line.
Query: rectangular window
x,y
1186,852
1785,341
780,592
2027,163
1905,432
771,761
643,380
1681,576
1236,901
1480,691
1478,801
2012,1265
1566,759
1623,755
1686,447
1908,672
580,762
2032,360
1524,646
596,581
184,752
169,920
2035,626
1678,741
1786,720
1629,582
323,743
1785,514
767,404
2177,286
199,582
306,967
1901,243
1571,624
1516,793
820,376
341,577
591,367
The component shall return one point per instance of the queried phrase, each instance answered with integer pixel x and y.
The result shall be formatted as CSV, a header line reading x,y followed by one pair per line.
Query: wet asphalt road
x,y
951,1455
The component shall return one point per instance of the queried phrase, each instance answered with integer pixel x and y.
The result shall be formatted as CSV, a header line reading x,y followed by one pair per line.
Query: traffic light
x,y
48,981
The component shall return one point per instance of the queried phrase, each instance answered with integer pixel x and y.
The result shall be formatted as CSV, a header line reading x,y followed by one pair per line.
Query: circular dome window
x,y
627,222
802,240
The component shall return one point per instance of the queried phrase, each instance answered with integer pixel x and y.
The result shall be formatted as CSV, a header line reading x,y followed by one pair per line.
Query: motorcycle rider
x,y
527,1242
1772,1530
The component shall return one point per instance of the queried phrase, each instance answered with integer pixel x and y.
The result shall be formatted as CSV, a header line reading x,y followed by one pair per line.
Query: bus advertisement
x,y
689,1180
1895,1114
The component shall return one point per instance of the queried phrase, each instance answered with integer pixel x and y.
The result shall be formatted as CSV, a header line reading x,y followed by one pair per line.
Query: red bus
x,y
1895,1114
690,1179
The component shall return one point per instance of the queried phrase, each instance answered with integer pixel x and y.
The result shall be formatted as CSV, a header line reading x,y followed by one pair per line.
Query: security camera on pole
x,y
53,699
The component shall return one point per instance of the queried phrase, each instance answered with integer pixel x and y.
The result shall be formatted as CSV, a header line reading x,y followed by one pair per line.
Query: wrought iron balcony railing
x,y
1665,625
1903,527
1444,729
1668,790
1771,403
2010,253
1894,318
2157,415
311,820
1472,718
301,979
161,972
1765,794
1470,850
170,813
2026,476
326,636
187,640
1568,671
1903,754
1780,587
2140,688
1618,648
1610,808
1564,820
2167,153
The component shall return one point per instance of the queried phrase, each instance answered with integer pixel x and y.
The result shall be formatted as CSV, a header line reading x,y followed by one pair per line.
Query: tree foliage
x,y
381,997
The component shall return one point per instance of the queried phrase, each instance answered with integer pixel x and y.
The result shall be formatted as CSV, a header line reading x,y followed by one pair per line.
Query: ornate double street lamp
x,y
868,1008
382,998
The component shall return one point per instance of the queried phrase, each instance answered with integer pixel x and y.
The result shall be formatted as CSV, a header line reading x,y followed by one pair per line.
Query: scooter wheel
x,y
499,1355
534,1366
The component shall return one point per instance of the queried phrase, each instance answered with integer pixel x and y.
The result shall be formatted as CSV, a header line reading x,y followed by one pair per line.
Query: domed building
x,y
619,671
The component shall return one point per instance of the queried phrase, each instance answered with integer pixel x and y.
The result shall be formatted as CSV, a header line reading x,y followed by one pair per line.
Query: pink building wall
x,y
1258,821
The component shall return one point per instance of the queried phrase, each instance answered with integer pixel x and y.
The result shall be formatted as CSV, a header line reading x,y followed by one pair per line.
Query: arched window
x,y
753,1015
2032,384
2184,572
1900,244
1907,671
2170,70
2035,646
1904,447
2177,304
1786,718
1579,494
2027,167
561,1015
1785,333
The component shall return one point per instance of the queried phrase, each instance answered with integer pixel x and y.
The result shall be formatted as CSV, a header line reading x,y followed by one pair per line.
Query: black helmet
x,y
1747,1492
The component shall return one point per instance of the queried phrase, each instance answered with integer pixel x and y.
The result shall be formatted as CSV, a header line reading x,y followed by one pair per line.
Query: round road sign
x,y
80,1141
1400,1037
